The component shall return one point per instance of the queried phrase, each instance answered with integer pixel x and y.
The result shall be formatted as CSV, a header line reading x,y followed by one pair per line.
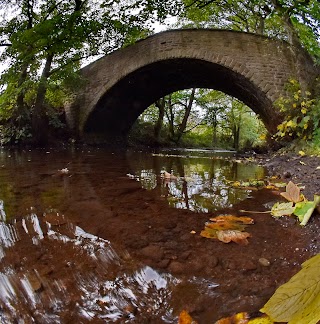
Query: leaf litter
x,y
228,228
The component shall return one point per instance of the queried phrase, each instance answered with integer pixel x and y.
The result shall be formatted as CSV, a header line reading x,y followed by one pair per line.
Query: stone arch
x,y
121,85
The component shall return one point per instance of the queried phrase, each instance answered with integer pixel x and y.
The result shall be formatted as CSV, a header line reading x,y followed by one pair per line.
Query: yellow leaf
x,y
301,153
282,209
298,300
261,320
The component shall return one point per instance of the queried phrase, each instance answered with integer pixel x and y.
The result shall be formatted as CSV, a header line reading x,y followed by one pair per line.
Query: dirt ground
x,y
303,170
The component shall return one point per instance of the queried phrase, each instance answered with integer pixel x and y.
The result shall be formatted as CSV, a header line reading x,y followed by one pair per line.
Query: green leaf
x,y
282,209
298,300
305,209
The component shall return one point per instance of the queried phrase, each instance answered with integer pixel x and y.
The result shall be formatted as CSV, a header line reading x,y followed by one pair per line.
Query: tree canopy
x,y
46,42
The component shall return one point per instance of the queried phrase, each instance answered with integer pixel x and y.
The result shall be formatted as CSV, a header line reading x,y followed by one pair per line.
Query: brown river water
x,y
93,236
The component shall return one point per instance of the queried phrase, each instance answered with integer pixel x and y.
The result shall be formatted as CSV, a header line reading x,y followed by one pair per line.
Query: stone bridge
x,y
121,85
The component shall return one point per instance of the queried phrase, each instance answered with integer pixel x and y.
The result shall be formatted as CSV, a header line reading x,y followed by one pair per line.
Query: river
x,y
93,236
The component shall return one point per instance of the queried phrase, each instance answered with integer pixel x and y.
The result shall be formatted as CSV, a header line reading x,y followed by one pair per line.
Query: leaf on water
x,y
282,209
305,209
292,192
298,300
236,236
185,318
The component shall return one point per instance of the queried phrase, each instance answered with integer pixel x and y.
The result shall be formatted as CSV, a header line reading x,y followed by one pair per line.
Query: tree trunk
x,y
214,135
39,117
236,137
171,118
183,124
160,104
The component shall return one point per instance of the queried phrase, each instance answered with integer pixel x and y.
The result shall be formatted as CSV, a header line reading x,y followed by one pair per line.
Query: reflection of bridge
x,y
120,86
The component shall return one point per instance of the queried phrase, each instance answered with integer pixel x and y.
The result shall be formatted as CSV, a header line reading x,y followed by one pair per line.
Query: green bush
x,y
302,114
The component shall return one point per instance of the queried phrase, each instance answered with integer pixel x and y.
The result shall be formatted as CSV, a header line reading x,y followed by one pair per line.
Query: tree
x,y
51,39
296,21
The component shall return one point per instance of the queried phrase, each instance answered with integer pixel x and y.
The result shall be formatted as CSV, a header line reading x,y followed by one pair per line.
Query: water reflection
x,y
201,183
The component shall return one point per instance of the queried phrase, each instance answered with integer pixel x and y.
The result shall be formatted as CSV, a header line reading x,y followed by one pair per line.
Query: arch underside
x,y
120,106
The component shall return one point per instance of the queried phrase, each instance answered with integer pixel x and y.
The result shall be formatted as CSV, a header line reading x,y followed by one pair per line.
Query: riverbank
x,y
302,170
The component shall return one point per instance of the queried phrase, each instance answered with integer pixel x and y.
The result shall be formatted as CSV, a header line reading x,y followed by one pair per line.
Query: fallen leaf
x,y
305,209
261,320
236,236
301,153
298,300
302,163
240,318
232,219
318,167
282,209
185,318
225,228
292,193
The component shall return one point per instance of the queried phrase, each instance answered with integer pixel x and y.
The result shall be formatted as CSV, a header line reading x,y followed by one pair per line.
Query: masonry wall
x,y
266,63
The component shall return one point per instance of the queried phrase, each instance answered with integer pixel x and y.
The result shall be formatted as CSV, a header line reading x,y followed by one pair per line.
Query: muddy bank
x,y
303,170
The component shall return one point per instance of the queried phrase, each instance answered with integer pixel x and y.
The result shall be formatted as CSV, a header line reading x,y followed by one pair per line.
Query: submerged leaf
x,y
232,219
298,300
228,228
282,209
305,209
185,318
240,318
233,235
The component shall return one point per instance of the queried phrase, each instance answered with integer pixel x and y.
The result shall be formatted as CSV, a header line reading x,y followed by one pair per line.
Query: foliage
x,y
214,120
297,205
302,114
298,300
48,42
294,21
228,228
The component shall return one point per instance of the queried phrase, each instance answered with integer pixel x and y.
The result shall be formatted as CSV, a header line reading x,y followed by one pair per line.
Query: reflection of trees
x,y
202,184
